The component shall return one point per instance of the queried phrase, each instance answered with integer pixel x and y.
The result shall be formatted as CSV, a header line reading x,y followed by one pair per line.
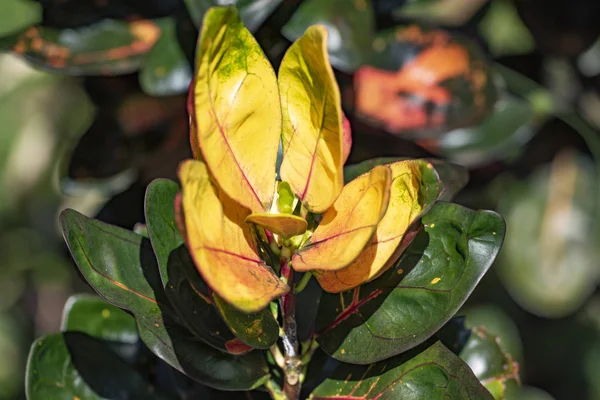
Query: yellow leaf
x,y
404,206
312,122
347,227
237,113
286,225
221,243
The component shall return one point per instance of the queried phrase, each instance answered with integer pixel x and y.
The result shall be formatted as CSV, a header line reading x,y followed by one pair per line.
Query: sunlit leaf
x,y
122,268
435,373
222,244
236,110
183,286
73,365
285,225
405,205
347,227
411,301
312,122
107,47
351,27
166,70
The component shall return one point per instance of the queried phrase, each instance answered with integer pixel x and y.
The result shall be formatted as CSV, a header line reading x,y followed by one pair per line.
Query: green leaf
x,y
503,132
108,47
121,267
18,14
259,330
494,368
411,301
73,365
350,27
92,315
186,290
252,12
166,70
435,373
548,264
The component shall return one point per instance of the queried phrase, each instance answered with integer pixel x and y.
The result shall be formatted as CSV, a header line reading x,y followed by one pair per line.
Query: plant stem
x,y
303,282
292,363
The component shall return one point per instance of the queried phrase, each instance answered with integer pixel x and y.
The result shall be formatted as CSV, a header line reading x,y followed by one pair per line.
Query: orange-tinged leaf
x,y
346,139
237,114
312,122
404,206
221,243
347,227
286,225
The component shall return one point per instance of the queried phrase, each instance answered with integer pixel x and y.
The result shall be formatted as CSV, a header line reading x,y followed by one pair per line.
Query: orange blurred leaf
x,y
285,225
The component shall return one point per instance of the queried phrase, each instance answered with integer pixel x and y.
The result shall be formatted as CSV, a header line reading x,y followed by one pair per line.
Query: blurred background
x,y
92,109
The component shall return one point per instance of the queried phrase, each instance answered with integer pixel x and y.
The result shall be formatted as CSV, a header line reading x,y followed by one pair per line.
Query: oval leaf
x,y
183,286
73,365
348,225
121,267
286,225
411,301
312,122
222,244
108,47
405,205
436,373
92,315
237,115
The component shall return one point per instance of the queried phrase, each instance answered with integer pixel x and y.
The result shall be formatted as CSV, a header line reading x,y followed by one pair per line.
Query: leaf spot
x,y
435,280
105,313
493,233
400,271
343,351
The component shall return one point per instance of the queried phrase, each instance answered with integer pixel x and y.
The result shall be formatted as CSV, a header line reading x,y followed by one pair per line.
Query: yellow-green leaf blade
x,y
237,114
285,225
347,227
221,243
312,122
404,206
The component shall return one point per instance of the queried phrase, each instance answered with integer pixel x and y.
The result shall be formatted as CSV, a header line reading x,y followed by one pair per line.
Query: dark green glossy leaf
x,y
16,15
509,125
495,368
549,262
186,290
73,365
259,330
435,373
411,301
121,267
166,70
411,89
92,315
350,29
252,12
107,47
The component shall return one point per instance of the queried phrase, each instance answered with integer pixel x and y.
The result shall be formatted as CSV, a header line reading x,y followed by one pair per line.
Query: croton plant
x,y
220,280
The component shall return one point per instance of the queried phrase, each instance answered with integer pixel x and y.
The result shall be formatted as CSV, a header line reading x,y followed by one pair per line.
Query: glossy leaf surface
x,y
121,267
285,225
312,133
236,110
435,373
166,70
493,366
73,365
411,301
92,315
350,27
222,245
183,285
347,227
108,47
